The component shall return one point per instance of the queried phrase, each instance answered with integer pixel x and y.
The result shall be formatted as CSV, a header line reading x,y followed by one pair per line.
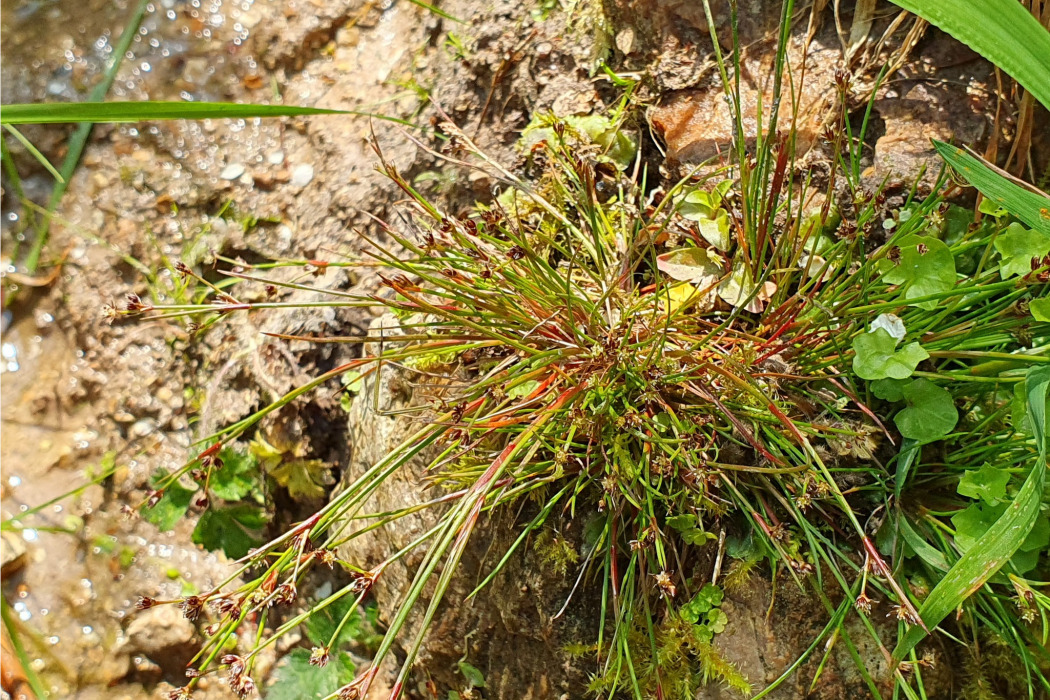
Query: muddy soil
x,y
81,396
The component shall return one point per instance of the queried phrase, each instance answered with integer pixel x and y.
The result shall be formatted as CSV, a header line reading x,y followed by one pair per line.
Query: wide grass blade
x,y
1003,31
1026,203
65,112
1002,540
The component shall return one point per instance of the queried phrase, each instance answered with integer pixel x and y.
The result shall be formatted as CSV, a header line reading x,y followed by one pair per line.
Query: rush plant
x,y
857,393
653,363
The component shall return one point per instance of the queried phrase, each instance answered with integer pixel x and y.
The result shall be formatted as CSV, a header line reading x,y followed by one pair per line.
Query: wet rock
x,y
12,552
164,636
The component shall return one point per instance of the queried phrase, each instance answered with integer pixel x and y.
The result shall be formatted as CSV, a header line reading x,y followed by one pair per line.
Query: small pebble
x,y
275,157
232,171
302,175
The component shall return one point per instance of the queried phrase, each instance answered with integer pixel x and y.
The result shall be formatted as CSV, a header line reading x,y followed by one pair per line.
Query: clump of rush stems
x,y
612,361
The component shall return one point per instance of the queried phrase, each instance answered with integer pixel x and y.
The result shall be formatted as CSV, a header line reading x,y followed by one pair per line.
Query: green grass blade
x,y
1002,540
78,140
33,151
65,112
1025,204
20,652
1003,31
1037,385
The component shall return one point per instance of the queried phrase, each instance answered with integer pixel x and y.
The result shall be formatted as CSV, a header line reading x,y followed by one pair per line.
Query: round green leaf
x,y
1040,309
931,412
888,389
877,357
987,484
716,230
925,266
695,265
1018,245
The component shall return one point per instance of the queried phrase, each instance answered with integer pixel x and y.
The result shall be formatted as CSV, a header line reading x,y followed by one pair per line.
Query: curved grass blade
x,y
1003,31
98,112
1002,540
1026,203
35,152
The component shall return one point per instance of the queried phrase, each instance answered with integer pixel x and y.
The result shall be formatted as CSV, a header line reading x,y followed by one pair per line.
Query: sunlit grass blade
x,y
1003,31
1026,203
20,652
67,112
35,152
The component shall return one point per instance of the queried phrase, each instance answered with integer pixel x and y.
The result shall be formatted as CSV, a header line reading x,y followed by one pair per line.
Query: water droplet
x,y
9,353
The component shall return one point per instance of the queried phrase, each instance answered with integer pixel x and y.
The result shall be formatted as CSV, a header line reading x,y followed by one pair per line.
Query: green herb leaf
x,y
682,522
877,357
975,521
171,507
1040,309
522,390
716,230
987,484
234,530
691,534
889,389
926,267
931,412
304,478
472,674
1017,246
321,625
717,620
696,265
297,679
238,476
352,380
710,596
